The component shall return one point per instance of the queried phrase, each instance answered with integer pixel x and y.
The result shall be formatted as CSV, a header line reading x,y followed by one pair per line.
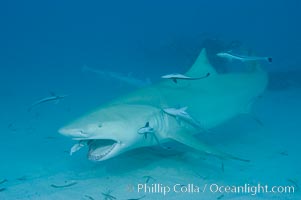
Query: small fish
x,y
50,137
148,178
181,114
258,121
63,186
3,181
294,181
89,197
220,197
175,77
53,97
146,130
22,178
283,153
232,56
77,147
201,176
137,198
108,195
11,125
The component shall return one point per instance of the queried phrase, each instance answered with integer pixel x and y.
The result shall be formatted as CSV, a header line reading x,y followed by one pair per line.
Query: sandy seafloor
x,y
34,156
43,46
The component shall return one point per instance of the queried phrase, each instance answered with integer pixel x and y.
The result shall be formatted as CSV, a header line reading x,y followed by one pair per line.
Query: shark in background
x,y
114,128
127,79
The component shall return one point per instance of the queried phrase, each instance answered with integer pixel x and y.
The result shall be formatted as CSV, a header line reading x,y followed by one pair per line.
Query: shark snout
x,y
72,132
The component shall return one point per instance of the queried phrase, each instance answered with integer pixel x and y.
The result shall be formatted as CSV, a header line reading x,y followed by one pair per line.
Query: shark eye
x,y
82,132
99,125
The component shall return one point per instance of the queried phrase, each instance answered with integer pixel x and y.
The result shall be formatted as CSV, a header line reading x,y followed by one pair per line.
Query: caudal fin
x,y
270,59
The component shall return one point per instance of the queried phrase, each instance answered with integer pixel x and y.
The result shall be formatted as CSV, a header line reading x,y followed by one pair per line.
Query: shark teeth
x,y
98,149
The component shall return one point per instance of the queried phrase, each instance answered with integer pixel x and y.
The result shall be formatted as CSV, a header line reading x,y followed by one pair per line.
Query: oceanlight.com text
x,y
251,189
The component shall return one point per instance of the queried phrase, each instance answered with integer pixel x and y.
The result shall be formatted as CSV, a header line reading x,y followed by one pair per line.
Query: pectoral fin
x,y
195,143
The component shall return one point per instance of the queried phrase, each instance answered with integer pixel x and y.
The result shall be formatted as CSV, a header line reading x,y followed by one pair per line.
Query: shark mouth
x,y
100,149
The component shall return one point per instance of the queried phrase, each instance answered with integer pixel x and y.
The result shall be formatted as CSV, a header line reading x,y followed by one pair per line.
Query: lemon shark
x,y
115,127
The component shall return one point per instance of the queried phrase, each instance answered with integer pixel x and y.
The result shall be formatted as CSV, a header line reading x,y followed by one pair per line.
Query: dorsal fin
x,y
201,66
146,124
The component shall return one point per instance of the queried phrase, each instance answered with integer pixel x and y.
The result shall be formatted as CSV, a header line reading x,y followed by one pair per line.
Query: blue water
x,y
44,46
